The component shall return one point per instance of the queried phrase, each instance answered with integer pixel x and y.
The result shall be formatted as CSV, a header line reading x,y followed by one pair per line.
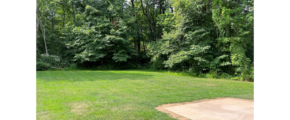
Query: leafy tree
x,y
234,20
200,36
100,38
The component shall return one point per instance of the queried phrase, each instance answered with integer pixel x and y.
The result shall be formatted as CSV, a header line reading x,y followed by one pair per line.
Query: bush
x,y
212,74
40,66
202,75
158,64
109,67
209,76
53,60
225,76
191,74
73,66
145,66
236,78
252,74
45,62
246,73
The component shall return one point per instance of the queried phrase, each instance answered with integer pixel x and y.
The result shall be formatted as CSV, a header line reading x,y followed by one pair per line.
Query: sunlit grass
x,y
127,94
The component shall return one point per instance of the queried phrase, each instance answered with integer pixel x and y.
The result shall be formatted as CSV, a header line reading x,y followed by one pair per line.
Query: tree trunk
x,y
160,5
132,1
36,27
36,34
38,22
147,16
138,39
73,13
43,32
154,26
52,20
63,16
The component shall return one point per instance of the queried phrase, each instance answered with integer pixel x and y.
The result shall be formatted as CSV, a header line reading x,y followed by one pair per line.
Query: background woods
x,y
205,38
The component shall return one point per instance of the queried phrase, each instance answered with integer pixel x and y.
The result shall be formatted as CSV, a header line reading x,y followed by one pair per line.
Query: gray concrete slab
x,y
215,109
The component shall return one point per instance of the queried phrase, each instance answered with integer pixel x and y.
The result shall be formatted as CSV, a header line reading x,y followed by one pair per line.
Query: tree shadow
x,y
88,75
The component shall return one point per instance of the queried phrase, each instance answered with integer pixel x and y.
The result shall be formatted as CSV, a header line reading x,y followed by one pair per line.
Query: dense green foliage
x,y
209,38
126,94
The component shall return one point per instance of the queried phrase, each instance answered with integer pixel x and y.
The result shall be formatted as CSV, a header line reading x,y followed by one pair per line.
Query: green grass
x,y
126,94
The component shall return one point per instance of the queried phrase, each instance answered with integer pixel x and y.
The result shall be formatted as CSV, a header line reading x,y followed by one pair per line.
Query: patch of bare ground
x,y
126,107
79,108
42,115
210,85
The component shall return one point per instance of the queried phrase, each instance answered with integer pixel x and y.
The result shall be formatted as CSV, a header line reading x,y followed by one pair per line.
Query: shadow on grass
x,y
86,75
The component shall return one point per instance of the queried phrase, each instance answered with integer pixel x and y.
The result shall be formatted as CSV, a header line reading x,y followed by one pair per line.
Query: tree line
x,y
195,36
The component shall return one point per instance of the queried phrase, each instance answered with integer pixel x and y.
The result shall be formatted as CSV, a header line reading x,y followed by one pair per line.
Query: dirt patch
x,y
79,108
125,107
211,109
211,85
63,90
42,115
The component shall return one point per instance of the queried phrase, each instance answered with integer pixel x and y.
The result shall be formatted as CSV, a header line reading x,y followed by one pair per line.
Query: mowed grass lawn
x,y
124,94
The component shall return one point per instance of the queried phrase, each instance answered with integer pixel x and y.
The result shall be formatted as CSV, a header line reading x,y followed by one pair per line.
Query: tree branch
x,y
147,15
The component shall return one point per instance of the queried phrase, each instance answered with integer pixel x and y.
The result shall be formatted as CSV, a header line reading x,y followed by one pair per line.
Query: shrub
x,y
53,60
191,74
213,74
202,75
73,66
107,67
45,62
236,78
225,76
209,76
158,64
246,73
40,66
252,74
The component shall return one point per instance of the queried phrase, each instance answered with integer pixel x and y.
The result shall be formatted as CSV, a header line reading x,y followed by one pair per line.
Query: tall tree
x,y
234,19
43,33
37,24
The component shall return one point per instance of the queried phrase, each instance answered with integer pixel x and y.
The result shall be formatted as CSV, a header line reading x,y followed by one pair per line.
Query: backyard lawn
x,y
124,94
